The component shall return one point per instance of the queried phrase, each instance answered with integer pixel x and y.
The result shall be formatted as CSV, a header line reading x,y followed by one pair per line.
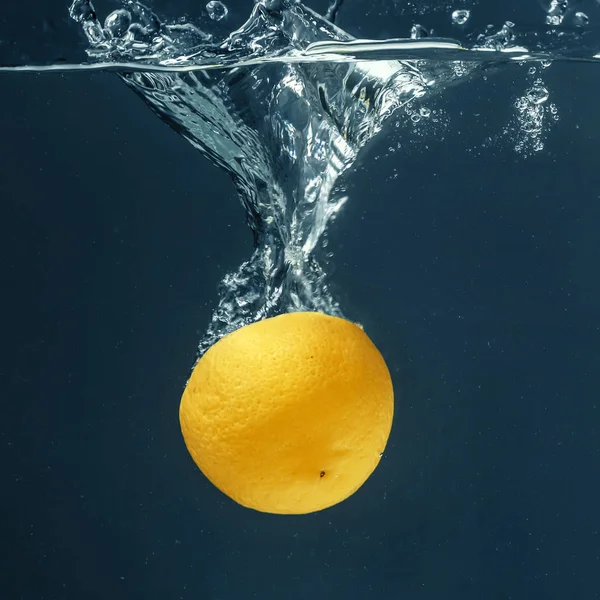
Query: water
x,y
286,102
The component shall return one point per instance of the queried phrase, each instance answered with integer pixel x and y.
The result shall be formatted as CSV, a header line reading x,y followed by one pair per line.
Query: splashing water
x,y
286,102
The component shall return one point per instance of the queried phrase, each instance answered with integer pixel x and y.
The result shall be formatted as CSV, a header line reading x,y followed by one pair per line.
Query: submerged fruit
x,y
289,414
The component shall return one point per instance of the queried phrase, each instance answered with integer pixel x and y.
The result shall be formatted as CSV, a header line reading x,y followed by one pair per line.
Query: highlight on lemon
x,y
289,415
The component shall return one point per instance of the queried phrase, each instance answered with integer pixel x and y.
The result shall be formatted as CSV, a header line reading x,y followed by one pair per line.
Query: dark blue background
x,y
475,271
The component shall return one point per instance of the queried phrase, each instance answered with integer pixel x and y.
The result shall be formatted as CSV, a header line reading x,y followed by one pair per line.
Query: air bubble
x,y
216,10
460,17
521,104
538,94
117,23
425,112
581,19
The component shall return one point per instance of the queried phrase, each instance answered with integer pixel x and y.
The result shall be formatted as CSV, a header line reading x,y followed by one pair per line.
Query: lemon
x,y
289,415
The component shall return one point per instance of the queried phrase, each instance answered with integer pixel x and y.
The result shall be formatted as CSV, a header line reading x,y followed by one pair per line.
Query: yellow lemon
x,y
291,414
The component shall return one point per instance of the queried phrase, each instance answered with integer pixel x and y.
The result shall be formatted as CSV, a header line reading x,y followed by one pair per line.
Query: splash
x,y
284,104
284,130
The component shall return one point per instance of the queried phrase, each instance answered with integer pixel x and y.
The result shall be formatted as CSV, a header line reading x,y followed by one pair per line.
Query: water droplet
x,y
581,19
460,17
216,10
117,23
418,31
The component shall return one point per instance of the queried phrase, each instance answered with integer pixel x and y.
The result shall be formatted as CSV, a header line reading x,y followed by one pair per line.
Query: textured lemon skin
x,y
289,415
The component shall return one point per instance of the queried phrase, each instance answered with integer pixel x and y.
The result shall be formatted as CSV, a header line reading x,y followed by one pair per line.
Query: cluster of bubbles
x,y
427,125
533,111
